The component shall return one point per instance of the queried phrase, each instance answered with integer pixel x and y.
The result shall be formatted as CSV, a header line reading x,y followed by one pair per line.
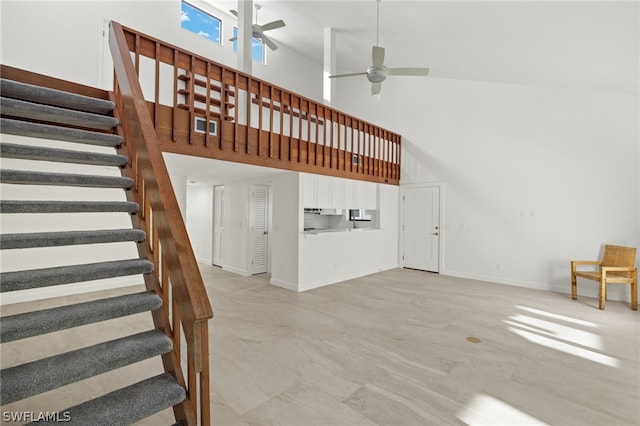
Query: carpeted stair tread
x,y
24,177
29,324
37,278
23,109
33,206
40,153
53,132
45,95
127,405
33,378
68,238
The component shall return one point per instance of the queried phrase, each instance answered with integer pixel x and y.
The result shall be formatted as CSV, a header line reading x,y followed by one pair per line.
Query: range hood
x,y
325,212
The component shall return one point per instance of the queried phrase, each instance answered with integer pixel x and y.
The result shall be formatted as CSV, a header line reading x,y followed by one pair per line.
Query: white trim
x,y
441,195
235,270
284,284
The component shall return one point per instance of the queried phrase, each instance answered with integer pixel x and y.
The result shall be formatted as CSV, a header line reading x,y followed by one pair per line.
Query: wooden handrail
x,y
256,122
176,276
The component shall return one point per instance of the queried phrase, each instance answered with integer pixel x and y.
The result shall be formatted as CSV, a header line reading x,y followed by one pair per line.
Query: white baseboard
x,y
235,270
284,284
68,289
204,260
586,289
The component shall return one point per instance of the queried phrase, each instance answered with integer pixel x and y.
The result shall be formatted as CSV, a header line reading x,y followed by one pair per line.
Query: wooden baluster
x,y
236,92
175,95
271,100
290,96
248,103
207,113
156,97
260,108
281,128
308,129
205,404
299,128
223,108
192,100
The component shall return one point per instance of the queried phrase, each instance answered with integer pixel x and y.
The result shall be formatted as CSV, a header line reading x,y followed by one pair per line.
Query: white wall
x,y
284,235
199,221
64,39
328,258
534,176
236,232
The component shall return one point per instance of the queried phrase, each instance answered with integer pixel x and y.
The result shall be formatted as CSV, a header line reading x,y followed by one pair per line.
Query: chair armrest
x,y
575,263
617,268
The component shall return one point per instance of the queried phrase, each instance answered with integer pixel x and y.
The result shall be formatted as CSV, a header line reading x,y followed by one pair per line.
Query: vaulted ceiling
x,y
591,45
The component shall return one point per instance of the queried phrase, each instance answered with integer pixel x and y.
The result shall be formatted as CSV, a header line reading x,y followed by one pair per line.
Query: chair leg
x,y
574,286
603,293
634,292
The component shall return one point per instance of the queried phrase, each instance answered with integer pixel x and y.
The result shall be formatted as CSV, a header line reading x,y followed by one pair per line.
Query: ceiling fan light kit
x,y
377,72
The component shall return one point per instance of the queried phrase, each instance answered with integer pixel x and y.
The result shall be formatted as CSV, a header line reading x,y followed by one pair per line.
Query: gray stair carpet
x,y
22,177
33,378
29,110
49,114
29,324
66,134
127,405
33,206
56,239
37,278
39,153
45,95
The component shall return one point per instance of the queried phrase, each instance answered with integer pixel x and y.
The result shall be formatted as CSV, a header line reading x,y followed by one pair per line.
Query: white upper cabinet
x,y
327,192
323,191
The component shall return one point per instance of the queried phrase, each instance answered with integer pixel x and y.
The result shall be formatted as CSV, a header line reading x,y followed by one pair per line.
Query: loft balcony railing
x,y
203,108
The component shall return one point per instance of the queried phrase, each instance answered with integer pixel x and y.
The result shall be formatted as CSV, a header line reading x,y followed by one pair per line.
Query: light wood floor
x,y
393,349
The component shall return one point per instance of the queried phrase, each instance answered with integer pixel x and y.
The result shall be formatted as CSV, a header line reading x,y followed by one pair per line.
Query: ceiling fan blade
x,y
375,88
408,71
234,13
348,75
266,40
377,56
273,25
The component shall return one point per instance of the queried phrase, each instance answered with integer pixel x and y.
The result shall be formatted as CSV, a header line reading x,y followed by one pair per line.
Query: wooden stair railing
x,y
176,277
255,122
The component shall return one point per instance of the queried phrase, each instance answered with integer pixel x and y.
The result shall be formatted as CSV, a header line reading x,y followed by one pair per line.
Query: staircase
x,y
53,116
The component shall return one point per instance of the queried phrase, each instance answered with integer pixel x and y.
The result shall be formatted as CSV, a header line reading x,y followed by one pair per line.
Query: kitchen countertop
x,y
328,231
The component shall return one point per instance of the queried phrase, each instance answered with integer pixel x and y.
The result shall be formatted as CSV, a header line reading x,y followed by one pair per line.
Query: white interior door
x,y
421,228
218,224
259,227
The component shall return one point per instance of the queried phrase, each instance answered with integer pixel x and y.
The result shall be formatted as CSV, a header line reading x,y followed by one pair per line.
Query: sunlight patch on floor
x,y
486,410
558,316
551,334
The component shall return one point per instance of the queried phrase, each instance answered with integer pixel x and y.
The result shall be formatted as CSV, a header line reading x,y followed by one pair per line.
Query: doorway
x,y
421,229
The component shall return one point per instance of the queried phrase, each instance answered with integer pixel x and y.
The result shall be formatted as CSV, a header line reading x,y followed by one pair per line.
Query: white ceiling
x,y
200,170
572,44
592,45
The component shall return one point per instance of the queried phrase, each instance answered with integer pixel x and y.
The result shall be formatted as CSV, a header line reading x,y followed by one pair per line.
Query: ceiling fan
x,y
377,72
257,31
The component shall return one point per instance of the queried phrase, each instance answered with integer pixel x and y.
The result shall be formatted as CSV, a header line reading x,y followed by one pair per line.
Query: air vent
x,y
355,159
200,126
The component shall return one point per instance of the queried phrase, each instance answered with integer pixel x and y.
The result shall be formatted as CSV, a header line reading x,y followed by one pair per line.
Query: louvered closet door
x,y
259,227
218,224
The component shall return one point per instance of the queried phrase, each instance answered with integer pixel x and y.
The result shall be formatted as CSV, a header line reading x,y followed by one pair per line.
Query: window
x,y
257,47
200,22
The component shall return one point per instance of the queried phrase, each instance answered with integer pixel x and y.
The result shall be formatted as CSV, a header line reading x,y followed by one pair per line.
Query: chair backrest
x,y
618,256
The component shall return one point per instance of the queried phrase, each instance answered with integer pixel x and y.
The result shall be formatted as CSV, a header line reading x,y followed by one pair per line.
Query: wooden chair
x,y
616,266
